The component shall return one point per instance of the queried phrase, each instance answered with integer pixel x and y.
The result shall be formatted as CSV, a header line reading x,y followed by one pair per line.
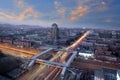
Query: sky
x,y
66,13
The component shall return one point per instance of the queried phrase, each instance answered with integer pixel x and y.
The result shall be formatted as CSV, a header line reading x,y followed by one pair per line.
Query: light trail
x,y
78,42
43,71
54,78
64,55
43,75
29,74
48,77
74,46
53,75
15,53
19,50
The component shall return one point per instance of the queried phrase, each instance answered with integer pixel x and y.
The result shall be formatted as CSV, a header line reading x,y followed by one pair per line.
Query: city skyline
x,y
66,13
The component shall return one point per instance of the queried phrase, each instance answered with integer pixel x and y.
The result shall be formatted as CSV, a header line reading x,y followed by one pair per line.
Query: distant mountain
x,y
19,26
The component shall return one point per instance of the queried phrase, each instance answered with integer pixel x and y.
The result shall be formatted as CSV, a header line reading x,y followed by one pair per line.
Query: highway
x,y
43,71
39,70
15,53
29,52
72,47
48,72
63,56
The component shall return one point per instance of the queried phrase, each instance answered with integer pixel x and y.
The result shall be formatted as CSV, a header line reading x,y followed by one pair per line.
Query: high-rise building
x,y
55,33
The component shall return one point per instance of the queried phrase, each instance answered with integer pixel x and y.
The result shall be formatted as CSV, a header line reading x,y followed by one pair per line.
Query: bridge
x,y
56,65
32,60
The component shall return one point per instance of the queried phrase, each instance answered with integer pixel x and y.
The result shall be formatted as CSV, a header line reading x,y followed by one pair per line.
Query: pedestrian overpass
x,y
65,53
35,59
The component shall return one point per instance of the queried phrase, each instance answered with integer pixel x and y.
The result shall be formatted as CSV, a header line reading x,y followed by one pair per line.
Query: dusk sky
x,y
66,13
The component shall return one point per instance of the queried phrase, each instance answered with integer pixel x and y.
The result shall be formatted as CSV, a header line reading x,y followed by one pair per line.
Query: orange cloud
x,y
87,6
27,10
61,12
94,5
73,18
6,15
21,4
23,14
79,12
60,8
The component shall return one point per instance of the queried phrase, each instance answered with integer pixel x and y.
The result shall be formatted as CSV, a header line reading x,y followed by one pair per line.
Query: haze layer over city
x,y
59,40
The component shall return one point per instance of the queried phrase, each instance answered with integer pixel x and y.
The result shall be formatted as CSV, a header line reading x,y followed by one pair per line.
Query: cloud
x,y
57,4
102,6
20,4
25,11
95,5
103,3
65,11
60,8
79,12
61,12
24,14
80,8
7,15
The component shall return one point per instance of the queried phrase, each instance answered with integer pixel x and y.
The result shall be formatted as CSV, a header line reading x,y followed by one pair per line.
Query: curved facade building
x,y
55,33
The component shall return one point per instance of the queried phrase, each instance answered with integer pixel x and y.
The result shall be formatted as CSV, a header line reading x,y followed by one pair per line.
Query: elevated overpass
x,y
58,64
32,60
64,58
